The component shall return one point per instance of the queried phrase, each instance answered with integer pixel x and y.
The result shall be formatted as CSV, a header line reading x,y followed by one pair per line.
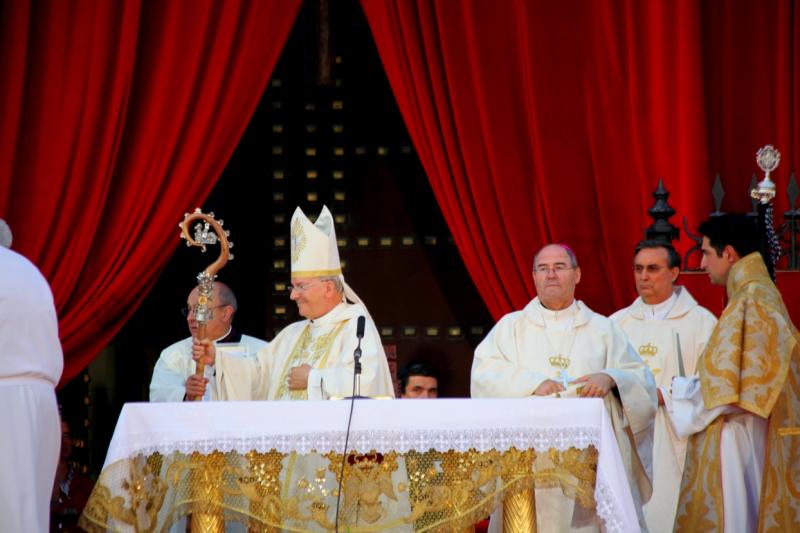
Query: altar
x,y
411,465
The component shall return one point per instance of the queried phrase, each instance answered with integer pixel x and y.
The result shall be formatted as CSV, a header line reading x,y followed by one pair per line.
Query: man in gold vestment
x,y
742,410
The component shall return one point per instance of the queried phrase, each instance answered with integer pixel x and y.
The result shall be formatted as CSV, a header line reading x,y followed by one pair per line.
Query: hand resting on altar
x,y
548,387
597,385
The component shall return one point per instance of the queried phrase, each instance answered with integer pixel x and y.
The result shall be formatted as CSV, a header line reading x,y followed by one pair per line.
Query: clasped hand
x,y
201,350
298,377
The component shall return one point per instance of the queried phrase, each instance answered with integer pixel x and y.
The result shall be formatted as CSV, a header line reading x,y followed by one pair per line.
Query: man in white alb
x,y
312,358
31,362
669,330
555,343
174,377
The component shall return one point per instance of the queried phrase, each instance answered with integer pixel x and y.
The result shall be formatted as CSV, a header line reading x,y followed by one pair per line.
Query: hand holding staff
x,y
208,230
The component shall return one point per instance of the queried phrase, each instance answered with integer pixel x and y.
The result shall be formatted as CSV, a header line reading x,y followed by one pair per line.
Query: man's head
x,y
315,297
726,239
656,266
222,307
418,381
555,274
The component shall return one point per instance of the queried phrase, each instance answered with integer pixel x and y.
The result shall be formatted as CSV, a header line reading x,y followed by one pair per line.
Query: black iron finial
x,y
661,229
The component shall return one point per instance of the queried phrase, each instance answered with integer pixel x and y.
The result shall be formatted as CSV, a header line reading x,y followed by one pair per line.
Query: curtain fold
x,y
118,117
543,121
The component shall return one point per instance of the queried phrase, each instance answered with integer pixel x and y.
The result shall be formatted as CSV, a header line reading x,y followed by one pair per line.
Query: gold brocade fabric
x,y
752,361
413,491
311,351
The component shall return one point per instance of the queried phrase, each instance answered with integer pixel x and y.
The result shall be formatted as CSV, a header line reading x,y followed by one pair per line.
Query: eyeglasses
x,y
303,287
557,269
189,310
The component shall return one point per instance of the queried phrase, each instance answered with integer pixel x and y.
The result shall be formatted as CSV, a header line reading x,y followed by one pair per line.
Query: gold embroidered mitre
x,y
314,250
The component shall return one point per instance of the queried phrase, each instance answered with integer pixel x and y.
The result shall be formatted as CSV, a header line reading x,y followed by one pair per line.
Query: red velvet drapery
x,y
541,121
117,117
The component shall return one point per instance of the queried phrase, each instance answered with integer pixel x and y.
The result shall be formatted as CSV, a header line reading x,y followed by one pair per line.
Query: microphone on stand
x,y
357,354
356,394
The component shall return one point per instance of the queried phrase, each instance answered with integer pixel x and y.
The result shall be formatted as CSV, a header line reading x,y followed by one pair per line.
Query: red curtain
x,y
540,121
118,117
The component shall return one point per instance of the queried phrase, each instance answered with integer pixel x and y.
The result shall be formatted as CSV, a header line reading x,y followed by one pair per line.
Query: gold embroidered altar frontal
x,y
430,491
414,466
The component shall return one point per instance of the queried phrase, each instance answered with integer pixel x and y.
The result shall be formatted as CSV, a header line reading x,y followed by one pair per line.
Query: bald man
x,y
173,376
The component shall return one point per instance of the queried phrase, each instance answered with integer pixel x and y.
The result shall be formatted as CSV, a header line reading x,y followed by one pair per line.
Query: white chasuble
x,y
327,345
530,346
670,344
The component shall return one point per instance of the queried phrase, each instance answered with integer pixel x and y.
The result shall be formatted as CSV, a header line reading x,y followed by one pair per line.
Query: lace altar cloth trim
x,y
385,441
608,507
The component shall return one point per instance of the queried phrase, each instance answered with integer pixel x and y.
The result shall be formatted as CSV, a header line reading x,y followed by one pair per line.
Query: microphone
x,y
357,354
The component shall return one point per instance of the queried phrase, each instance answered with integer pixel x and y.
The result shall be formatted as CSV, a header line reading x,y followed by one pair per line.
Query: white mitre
x,y
5,234
315,253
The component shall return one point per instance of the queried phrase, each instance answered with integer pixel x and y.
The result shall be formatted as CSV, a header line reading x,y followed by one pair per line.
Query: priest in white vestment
x,y
313,358
557,343
31,362
173,375
669,330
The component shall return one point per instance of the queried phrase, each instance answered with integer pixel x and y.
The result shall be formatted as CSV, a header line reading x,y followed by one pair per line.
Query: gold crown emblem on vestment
x,y
648,350
560,361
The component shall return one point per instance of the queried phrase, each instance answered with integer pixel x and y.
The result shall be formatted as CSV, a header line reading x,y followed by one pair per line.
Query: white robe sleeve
x,y
168,384
496,368
634,381
687,411
336,379
243,378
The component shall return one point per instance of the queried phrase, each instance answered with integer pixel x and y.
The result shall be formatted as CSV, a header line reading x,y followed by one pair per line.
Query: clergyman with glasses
x,y
174,377
313,358
557,346
669,329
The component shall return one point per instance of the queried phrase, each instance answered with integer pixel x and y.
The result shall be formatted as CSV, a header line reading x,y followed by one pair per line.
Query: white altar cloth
x,y
384,425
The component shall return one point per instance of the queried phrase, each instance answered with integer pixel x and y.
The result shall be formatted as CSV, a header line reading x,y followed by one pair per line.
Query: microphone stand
x,y
357,371
356,395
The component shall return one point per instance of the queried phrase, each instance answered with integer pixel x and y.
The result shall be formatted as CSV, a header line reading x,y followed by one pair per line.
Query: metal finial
x,y
768,159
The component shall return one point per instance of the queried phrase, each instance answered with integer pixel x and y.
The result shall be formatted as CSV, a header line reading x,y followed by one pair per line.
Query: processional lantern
x,y
768,159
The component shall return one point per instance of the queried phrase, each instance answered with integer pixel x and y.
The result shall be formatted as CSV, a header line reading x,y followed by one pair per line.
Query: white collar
x,y
559,315
659,311
560,320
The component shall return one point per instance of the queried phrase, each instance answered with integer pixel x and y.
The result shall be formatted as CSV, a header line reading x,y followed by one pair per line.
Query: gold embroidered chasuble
x,y
752,362
308,350
327,345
